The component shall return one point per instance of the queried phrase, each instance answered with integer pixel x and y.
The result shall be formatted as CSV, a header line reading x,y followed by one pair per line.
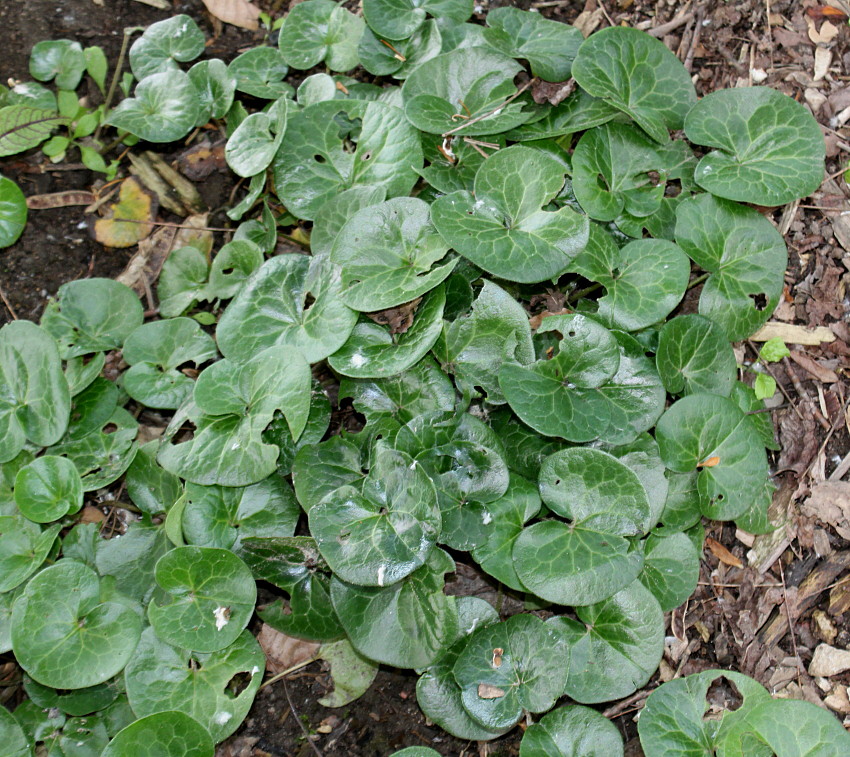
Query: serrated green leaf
x,y
501,227
464,86
207,598
406,625
48,488
164,44
572,731
165,108
710,433
399,19
162,677
64,636
13,212
649,83
695,357
549,46
155,351
745,255
219,516
25,126
272,309
313,163
770,149
163,734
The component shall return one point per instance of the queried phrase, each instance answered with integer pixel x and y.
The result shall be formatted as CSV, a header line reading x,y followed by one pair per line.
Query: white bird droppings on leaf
x,y
222,617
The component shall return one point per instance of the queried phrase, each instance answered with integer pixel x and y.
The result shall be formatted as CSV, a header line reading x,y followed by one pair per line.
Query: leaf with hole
x,y
549,46
702,427
321,30
64,636
406,625
165,108
206,597
639,75
695,357
501,227
216,689
465,86
292,302
164,44
745,255
337,144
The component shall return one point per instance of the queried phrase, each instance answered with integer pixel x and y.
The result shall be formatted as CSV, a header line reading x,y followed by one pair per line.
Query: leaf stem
x,y
278,676
475,120
579,293
698,280
128,31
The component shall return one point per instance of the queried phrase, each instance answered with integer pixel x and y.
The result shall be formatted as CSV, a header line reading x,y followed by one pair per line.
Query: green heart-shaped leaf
x,y
320,30
671,569
23,549
164,44
465,86
182,281
475,346
207,598
165,108
252,146
48,488
215,87
745,255
13,212
404,56
649,83
386,252
219,516
335,213
291,301
231,267
321,469
64,636
510,667
710,433
162,677
59,60
695,357
406,625
377,536
132,559
259,72
644,280
295,565
163,734
501,227
549,46
616,646
769,148
373,352
316,160
91,315
572,731
155,351
579,112
398,19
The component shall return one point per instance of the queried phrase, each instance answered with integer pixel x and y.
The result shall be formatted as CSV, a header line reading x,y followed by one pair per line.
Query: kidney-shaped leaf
x,y
616,647
92,315
59,60
710,433
549,46
155,351
388,254
165,108
501,227
253,144
293,301
23,549
259,72
164,44
64,636
671,569
320,30
207,598
333,145
48,488
467,85
377,536
163,734
404,56
770,150
13,735
644,280
745,255
647,81
510,667
13,212
163,677
399,19
572,731
215,86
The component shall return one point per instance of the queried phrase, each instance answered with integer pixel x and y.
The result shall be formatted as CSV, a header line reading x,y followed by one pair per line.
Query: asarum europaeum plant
x,y
572,460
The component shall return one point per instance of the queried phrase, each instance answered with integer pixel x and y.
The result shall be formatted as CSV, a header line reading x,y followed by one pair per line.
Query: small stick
x,y
303,728
662,29
790,624
605,13
118,66
8,305
689,58
475,120
800,389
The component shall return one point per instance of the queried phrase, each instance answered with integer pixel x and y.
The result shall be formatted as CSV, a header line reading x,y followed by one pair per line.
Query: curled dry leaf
x,y
124,222
236,12
487,691
722,554
284,652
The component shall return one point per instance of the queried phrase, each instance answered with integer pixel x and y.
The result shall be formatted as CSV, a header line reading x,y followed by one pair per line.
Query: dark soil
x,y
725,623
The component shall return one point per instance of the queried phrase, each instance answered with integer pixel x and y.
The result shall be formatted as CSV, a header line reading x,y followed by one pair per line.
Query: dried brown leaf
x,y
124,222
488,691
722,554
237,12
284,652
60,200
817,371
